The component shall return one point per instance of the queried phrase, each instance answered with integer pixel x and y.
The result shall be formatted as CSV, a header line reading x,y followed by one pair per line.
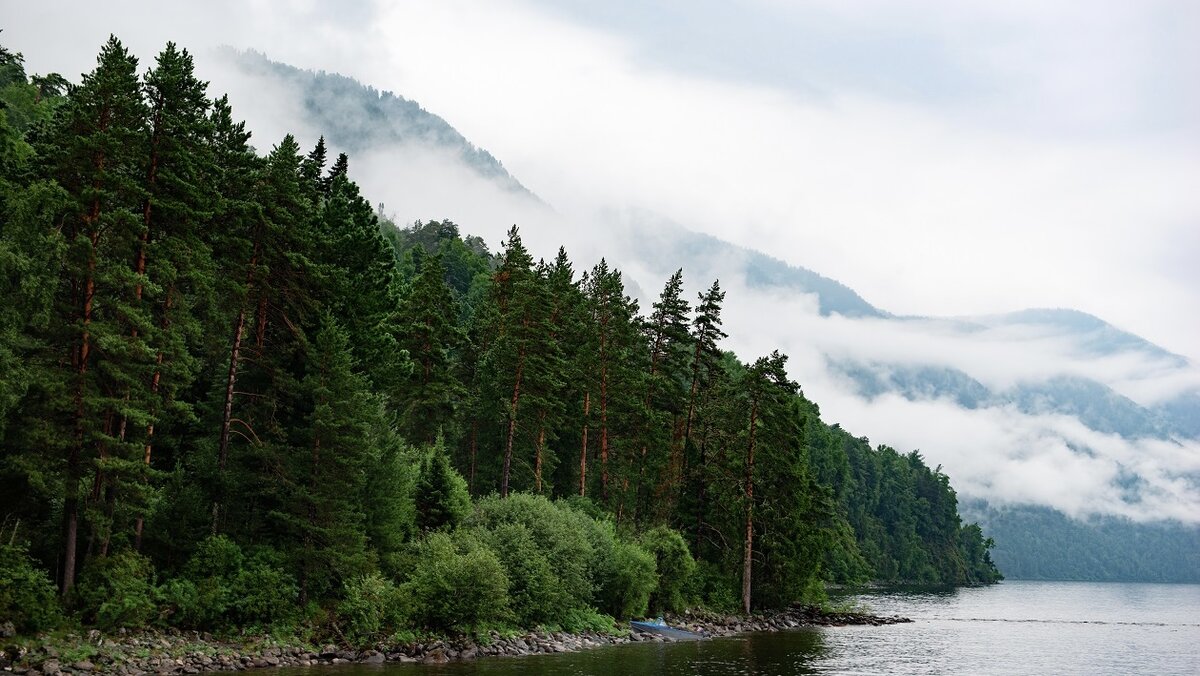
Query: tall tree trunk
x,y
227,414
654,355
312,518
537,453
701,493
748,552
260,324
474,453
587,405
74,457
512,423
239,328
603,430
155,383
147,450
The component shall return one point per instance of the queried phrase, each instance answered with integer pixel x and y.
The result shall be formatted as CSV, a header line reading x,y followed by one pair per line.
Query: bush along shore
x,y
191,652
238,399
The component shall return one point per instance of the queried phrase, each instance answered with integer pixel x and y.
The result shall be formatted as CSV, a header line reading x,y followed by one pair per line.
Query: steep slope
x,y
1064,356
356,117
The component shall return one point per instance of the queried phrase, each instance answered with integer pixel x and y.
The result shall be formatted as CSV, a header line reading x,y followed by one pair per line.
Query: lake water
x,y
1011,628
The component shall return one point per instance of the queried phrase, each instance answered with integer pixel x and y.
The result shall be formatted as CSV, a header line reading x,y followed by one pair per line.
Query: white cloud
x,y
1066,179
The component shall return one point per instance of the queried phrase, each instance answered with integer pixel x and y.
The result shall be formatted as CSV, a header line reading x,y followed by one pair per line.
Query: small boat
x,y
661,628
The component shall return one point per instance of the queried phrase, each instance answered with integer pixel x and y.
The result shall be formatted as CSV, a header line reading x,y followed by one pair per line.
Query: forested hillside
x,y
234,396
1037,543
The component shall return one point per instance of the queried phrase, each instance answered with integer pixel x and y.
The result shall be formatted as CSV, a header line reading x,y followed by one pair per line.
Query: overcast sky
x,y
940,158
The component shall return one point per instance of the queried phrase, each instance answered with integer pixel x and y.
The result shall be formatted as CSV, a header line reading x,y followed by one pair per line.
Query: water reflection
x,y
1013,628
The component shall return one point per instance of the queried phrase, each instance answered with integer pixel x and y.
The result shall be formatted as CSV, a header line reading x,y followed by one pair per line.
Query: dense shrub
x,y
536,593
27,597
627,577
560,534
265,594
675,567
117,591
221,590
456,583
714,589
204,595
371,607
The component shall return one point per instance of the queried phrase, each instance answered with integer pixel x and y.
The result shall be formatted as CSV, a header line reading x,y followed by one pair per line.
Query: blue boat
x,y
661,628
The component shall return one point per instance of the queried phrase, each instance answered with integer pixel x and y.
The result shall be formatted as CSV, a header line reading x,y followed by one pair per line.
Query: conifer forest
x,y
235,395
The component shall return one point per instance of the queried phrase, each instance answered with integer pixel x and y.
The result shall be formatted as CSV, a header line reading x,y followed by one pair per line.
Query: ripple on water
x,y
1011,628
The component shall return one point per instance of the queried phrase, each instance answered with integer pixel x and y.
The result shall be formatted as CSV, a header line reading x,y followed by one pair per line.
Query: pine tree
x,y
313,167
94,151
687,459
666,331
173,255
614,318
773,424
285,291
237,239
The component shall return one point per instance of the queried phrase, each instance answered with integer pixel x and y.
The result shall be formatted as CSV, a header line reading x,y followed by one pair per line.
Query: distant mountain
x,y
1033,542
356,117
1038,543
1094,335
663,246
1094,404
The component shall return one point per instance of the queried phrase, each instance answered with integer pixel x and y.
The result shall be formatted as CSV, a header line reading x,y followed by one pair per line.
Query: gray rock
x,y
51,667
436,656
83,665
372,657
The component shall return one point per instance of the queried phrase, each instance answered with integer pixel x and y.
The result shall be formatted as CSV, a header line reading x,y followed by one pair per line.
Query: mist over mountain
x,y
1051,409
356,117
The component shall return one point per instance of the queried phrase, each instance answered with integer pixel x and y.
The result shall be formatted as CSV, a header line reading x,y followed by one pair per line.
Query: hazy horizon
x,y
941,160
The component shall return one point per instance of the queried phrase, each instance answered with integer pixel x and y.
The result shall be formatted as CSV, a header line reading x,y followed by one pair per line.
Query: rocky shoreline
x,y
177,652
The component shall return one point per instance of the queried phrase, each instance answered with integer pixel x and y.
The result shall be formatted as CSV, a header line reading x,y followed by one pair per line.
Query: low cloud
x,y
926,207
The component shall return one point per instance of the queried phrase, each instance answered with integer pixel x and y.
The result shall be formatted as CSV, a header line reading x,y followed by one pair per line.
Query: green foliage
x,y
222,364
221,589
535,592
204,595
675,567
714,588
564,537
441,498
626,579
456,583
117,591
27,597
372,606
265,594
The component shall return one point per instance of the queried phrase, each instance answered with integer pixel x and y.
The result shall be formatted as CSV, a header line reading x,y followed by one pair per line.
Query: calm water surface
x,y
1010,628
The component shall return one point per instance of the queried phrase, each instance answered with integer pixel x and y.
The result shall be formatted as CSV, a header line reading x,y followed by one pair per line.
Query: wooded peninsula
x,y
236,397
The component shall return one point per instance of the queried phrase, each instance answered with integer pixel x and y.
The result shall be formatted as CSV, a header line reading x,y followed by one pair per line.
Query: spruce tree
x,y
431,394
326,482
441,498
